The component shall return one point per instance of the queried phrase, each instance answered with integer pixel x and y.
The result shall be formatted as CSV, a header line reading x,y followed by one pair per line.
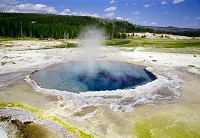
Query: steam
x,y
91,46
92,42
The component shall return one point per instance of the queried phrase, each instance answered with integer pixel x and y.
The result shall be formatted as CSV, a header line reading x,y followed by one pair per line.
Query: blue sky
x,y
178,13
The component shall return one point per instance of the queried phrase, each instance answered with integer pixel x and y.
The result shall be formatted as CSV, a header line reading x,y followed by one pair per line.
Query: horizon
x,y
156,13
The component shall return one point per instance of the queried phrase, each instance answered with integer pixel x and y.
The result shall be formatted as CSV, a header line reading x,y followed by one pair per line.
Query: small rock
x,y
195,56
9,105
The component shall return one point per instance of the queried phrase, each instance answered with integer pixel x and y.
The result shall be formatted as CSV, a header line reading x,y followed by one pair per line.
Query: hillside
x,y
176,30
60,26
173,29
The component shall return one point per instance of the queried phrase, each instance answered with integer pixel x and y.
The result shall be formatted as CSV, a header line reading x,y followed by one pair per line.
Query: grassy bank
x,y
66,45
186,46
191,46
157,43
17,38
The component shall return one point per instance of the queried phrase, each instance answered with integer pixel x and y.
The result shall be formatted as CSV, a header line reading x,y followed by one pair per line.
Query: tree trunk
x,y
21,33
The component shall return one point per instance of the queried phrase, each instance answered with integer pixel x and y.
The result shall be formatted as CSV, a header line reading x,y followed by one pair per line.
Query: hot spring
x,y
89,73
82,76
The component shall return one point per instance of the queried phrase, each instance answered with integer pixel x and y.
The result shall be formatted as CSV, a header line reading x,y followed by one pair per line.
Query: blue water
x,y
92,76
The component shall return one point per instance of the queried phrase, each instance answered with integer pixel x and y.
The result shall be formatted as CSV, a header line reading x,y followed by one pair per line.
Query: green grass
x,y
191,46
66,45
18,38
114,41
157,43
192,66
3,63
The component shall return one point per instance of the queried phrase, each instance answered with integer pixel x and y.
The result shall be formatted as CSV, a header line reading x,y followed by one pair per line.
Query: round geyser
x,y
92,76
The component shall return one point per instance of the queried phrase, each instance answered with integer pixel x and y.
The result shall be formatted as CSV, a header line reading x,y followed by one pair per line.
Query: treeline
x,y
59,26
179,32
62,26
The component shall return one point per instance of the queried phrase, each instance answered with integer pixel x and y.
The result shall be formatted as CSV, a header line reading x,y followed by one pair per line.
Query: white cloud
x,y
110,14
144,22
146,6
93,15
126,4
84,14
65,12
8,6
18,6
198,18
112,1
68,12
8,2
35,8
119,18
177,1
153,23
134,3
110,9
12,10
136,13
164,2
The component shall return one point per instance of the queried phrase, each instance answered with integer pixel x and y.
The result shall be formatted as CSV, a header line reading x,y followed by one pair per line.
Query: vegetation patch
x,y
191,66
3,63
5,57
66,45
164,43
191,46
17,38
182,126
117,42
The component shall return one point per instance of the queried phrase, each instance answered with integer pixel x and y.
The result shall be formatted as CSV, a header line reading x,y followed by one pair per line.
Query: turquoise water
x,y
92,76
